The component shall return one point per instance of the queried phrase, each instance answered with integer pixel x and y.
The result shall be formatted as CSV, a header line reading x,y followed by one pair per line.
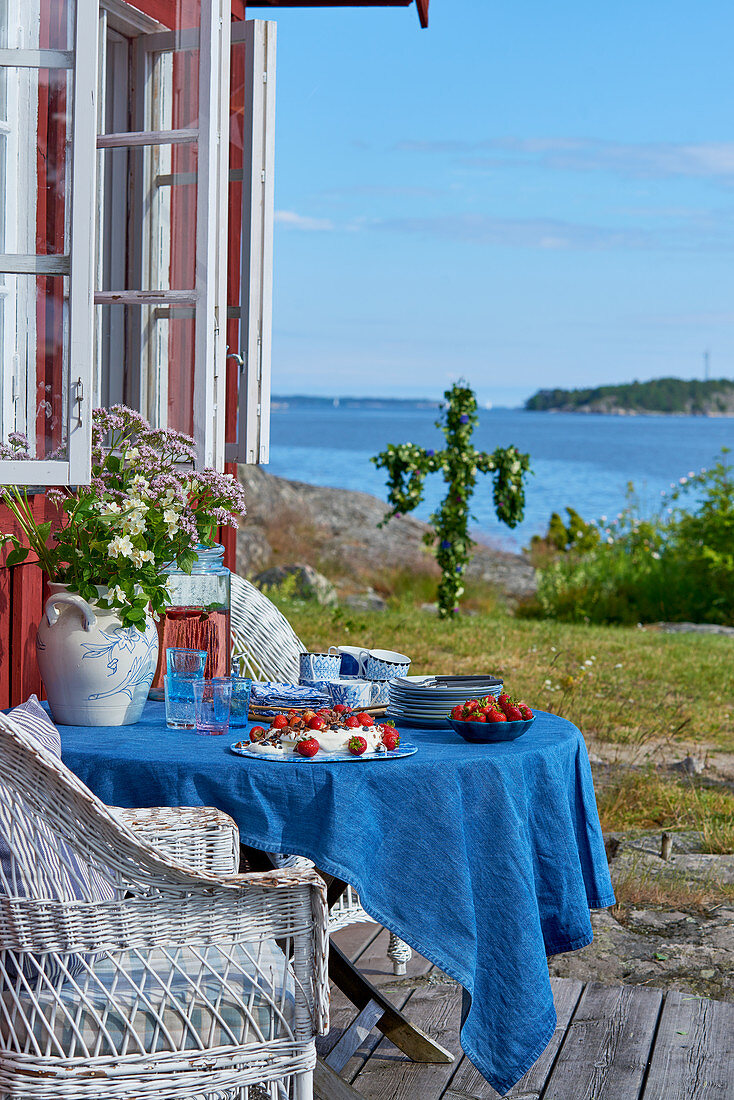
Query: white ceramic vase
x,y
96,671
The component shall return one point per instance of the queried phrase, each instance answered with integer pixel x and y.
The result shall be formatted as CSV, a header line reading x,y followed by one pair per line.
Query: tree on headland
x,y
407,465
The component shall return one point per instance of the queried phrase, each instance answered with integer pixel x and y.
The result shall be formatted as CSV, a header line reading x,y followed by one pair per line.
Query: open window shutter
x,y
174,280
47,394
256,269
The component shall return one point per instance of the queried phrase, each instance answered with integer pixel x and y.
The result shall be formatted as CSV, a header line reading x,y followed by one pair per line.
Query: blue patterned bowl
x,y
486,732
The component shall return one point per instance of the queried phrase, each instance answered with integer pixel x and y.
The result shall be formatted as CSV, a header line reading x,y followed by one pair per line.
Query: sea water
x,y
584,461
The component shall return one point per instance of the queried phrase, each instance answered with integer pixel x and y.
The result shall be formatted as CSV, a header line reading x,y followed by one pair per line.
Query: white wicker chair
x,y
265,646
174,988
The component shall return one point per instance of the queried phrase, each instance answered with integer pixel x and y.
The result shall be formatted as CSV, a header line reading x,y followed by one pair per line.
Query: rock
x,y
650,918
339,527
695,628
365,601
308,585
254,552
691,765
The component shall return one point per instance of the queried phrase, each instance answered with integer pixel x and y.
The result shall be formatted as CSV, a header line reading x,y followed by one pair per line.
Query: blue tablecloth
x,y
484,858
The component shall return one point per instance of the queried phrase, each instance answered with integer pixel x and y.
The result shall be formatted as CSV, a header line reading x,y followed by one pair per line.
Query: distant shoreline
x,y
281,403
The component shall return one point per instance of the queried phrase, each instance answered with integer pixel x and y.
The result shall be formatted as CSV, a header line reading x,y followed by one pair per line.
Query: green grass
x,y
644,800
638,685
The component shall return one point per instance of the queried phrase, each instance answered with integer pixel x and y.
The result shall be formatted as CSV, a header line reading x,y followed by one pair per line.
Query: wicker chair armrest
x,y
200,837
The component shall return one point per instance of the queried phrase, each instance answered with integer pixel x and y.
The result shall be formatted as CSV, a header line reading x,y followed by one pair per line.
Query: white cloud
x,y
292,220
640,160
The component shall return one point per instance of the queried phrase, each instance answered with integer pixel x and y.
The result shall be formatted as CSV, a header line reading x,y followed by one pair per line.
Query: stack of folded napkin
x,y
277,697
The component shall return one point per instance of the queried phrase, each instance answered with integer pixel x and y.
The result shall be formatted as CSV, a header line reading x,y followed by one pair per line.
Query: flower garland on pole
x,y
407,466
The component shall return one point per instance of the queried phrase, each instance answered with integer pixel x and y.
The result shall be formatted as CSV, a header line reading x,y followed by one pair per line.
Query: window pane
x,y
37,24
34,191
153,190
34,343
146,358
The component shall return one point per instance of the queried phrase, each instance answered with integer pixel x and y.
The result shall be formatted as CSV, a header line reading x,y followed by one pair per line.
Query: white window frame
x,y
256,261
78,265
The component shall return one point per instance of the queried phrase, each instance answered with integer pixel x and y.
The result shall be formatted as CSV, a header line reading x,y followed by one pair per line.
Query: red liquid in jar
x,y
195,628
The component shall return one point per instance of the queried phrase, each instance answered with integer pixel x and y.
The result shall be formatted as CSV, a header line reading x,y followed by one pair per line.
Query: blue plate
x,y
324,757
487,732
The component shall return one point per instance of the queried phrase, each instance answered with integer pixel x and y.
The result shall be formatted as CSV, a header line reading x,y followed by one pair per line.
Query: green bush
x,y
674,566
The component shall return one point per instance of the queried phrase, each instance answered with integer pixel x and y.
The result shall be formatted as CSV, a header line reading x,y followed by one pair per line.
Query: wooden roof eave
x,y
422,5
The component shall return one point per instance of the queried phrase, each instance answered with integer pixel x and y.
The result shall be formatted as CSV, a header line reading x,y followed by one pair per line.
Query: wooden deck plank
x,y
468,1083
607,1046
693,1056
436,1009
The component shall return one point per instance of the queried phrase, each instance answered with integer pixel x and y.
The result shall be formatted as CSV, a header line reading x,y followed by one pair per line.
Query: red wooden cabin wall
x,y
23,587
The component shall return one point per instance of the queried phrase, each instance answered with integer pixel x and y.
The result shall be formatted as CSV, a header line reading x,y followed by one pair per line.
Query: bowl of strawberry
x,y
490,719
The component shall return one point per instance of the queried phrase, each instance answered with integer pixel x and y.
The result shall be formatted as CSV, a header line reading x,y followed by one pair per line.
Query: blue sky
x,y
524,195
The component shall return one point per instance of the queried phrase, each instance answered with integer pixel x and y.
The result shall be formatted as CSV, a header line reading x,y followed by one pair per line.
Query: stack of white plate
x,y
424,702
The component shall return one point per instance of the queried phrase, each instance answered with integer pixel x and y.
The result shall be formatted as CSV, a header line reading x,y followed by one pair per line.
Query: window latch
x,y
78,400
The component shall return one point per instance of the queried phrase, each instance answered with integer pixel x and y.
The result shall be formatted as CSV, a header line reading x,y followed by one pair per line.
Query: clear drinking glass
x,y
187,663
179,696
240,705
212,700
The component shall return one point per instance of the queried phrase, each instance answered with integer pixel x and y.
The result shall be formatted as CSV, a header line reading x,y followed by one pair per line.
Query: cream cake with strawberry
x,y
335,731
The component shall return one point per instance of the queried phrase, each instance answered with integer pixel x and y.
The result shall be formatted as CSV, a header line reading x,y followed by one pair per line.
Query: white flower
x,y
120,547
588,664
683,480
553,649
619,666
515,468
170,517
138,482
140,556
116,595
656,555
610,540
108,508
132,454
133,523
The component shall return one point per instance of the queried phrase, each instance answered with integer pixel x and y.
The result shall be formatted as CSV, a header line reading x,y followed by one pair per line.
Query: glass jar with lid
x,y
198,614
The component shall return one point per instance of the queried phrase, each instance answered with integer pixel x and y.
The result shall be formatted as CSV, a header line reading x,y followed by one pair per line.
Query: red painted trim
x,y
27,605
422,6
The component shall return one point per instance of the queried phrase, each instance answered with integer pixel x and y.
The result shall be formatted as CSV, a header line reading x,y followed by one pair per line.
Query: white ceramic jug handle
x,y
89,619
364,655
333,651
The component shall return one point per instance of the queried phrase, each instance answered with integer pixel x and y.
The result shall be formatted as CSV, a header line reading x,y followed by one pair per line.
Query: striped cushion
x,y
39,862
184,1006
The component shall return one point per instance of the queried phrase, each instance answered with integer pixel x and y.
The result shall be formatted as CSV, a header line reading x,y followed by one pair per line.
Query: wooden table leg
x,y
374,1011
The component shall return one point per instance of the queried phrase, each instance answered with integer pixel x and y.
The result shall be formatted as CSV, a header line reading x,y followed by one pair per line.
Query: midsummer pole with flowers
x,y
407,466
145,508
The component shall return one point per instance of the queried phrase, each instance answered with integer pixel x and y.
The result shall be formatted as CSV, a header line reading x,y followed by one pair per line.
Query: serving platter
x,y
239,749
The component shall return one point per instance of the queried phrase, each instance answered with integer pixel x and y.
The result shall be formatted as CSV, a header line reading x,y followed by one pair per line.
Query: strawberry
x,y
496,716
458,712
295,721
513,712
353,722
308,747
357,746
316,723
525,711
257,733
365,719
477,716
308,714
505,703
279,722
390,739
471,704
340,708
